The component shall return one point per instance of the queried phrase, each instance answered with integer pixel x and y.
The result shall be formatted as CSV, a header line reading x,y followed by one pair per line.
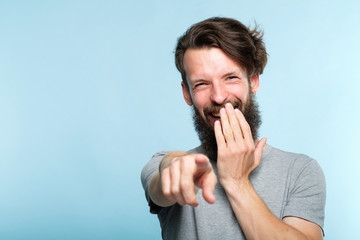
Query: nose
x,y
219,93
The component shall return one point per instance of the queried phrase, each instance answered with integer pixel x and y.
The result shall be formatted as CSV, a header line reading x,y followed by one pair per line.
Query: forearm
x,y
255,218
238,156
155,188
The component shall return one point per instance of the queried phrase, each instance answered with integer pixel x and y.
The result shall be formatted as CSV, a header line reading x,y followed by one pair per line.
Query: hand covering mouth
x,y
213,112
215,115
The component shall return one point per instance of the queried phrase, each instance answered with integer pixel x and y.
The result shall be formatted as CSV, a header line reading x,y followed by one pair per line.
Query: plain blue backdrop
x,y
89,91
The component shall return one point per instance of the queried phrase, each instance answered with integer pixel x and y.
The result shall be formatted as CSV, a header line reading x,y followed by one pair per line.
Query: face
x,y
215,79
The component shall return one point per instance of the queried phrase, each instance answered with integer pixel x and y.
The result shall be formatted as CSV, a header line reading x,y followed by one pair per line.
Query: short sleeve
x,y
307,193
150,169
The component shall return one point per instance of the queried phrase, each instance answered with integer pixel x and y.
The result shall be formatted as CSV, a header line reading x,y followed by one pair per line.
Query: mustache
x,y
216,108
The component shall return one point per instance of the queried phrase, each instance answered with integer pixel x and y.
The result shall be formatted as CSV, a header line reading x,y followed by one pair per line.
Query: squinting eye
x,y
199,84
232,77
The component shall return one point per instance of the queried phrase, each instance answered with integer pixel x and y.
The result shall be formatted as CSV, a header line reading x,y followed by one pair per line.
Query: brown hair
x,y
240,43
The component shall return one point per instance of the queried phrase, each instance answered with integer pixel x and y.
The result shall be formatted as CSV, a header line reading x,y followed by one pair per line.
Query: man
x,y
233,186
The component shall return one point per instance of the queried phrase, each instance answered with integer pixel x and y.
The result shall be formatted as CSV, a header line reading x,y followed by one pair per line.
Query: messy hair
x,y
243,45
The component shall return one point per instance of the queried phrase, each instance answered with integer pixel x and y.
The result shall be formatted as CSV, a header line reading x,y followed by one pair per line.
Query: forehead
x,y
208,63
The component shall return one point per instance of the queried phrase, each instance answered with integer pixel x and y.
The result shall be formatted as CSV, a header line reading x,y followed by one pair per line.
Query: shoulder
x,y
303,171
271,151
296,165
297,160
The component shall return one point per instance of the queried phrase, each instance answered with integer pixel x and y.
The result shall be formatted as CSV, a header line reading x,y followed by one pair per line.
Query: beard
x,y
206,132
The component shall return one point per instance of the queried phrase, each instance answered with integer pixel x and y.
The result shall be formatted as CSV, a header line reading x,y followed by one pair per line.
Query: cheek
x,y
200,101
239,92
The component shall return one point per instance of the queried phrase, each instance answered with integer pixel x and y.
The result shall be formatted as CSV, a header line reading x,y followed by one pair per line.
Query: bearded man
x,y
234,185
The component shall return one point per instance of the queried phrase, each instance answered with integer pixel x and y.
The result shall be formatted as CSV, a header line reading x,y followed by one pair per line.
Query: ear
x,y
255,83
186,94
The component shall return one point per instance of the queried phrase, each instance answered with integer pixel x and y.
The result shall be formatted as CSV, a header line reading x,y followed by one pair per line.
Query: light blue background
x,y
89,91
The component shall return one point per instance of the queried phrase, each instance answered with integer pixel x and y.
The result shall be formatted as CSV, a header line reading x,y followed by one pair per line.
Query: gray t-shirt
x,y
290,184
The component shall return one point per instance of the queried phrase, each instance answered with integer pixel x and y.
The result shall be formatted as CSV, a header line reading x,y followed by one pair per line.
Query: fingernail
x,y
229,105
222,111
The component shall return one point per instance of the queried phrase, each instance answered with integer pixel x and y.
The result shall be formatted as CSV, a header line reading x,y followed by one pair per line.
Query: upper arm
x,y
311,230
305,205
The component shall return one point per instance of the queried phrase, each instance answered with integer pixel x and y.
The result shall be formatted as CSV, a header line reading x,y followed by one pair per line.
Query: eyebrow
x,y
231,73
238,73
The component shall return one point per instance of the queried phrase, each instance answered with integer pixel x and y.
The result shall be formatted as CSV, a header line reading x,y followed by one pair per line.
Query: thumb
x,y
208,187
206,179
202,162
259,149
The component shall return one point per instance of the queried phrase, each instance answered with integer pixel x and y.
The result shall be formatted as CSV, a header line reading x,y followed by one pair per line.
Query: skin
x,y
213,83
214,78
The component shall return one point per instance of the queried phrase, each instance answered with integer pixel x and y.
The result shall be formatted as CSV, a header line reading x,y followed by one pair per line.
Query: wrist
x,y
237,187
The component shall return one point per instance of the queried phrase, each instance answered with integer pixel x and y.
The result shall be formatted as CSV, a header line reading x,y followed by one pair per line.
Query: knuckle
x,y
184,163
164,173
174,191
173,167
166,193
176,159
235,150
247,127
184,185
250,147
242,149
